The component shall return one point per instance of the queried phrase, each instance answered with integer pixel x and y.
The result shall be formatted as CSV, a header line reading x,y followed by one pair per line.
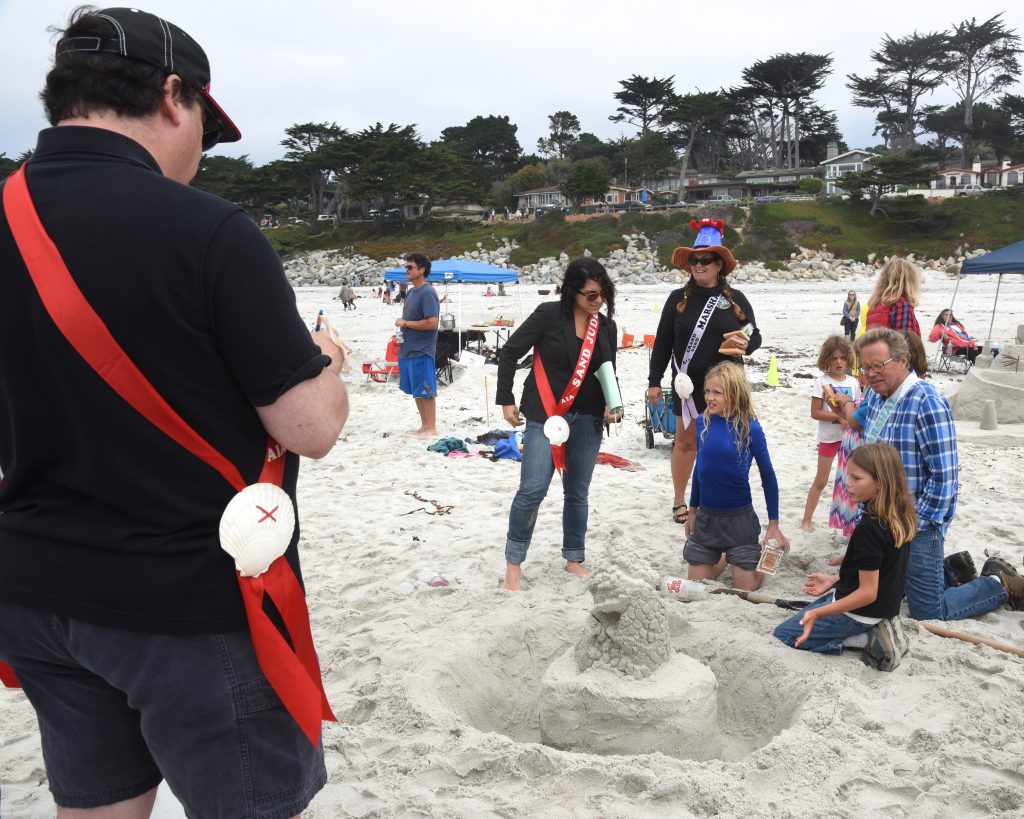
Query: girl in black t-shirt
x,y
870,583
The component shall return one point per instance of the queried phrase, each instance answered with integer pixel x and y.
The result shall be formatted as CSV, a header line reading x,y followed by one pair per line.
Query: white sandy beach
x,y
436,688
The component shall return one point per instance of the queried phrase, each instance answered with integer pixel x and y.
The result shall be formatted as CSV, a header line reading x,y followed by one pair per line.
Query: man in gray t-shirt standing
x,y
417,375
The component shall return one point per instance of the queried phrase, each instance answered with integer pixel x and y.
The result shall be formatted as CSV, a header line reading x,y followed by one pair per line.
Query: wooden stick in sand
x,y
487,407
971,638
760,597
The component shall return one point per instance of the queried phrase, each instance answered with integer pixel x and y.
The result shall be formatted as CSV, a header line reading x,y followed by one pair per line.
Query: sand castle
x,y
999,379
622,689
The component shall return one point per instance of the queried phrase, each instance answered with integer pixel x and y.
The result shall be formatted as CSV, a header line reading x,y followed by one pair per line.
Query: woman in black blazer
x,y
557,333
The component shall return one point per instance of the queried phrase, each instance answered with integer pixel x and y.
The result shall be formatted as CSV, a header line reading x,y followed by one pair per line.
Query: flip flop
x,y
680,517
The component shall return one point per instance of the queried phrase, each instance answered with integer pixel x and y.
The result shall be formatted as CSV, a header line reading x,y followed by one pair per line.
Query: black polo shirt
x,y
103,517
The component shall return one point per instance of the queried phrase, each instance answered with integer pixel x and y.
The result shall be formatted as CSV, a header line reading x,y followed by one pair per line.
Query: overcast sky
x,y
441,63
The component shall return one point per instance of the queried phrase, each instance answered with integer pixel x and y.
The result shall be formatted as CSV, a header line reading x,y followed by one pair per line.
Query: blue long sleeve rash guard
x,y
720,477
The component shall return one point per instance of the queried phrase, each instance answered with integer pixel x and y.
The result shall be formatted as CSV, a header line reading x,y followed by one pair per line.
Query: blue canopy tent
x,y
460,271
1009,259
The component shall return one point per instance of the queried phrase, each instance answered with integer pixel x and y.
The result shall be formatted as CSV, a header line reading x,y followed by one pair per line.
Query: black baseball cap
x,y
150,39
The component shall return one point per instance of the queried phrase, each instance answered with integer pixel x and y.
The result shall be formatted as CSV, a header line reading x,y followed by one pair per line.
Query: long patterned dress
x,y
844,513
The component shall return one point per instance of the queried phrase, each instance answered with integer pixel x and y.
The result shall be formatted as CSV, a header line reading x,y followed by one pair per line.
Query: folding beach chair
x,y
950,362
443,360
383,372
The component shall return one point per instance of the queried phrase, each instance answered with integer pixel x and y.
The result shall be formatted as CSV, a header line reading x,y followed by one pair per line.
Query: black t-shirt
x,y
675,330
103,517
872,548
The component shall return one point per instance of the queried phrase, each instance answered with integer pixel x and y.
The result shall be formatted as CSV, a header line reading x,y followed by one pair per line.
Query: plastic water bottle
x,y
399,335
679,588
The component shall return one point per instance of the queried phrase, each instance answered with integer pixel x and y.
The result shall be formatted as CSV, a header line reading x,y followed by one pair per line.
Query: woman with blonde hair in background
x,y
895,296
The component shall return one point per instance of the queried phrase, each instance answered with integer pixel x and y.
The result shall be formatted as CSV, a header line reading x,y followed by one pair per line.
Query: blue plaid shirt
x,y
921,428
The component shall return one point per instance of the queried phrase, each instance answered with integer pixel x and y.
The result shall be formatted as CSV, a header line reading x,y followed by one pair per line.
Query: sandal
x,y
680,517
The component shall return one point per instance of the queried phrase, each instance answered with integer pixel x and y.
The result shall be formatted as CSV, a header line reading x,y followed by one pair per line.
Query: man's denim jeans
x,y
581,450
931,596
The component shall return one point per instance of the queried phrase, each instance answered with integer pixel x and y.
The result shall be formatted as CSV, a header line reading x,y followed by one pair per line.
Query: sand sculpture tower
x,y
622,689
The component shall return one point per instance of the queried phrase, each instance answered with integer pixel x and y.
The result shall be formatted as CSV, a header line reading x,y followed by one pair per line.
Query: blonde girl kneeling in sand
x,y
722,526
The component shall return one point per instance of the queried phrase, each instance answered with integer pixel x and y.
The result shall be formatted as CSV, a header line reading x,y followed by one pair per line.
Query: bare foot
x,y
836,560
423,433
513,576
805,526
574,567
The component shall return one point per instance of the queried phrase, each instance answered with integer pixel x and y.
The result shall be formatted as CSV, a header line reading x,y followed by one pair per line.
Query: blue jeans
x,y
931,595
581,450
828,633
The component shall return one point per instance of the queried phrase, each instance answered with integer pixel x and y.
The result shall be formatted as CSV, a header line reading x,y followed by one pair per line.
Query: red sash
x,y
579,372
294,674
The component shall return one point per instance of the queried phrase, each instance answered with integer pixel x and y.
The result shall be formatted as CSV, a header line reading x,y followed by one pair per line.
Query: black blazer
x,y
553,335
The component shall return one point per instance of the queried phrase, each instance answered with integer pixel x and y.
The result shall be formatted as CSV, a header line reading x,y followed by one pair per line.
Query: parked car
x,y
723,198
632,204
761,200
968,190
327,217
680,205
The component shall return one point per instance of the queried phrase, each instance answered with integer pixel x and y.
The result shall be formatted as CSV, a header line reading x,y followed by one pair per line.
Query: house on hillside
x,y
988,174
1010,175
837,165
774,181
546,197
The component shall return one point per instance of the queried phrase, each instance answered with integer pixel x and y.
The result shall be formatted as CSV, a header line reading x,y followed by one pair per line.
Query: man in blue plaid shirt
x,y
914,417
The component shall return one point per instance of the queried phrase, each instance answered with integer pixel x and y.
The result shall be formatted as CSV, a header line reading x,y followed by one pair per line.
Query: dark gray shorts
x,y
736,532
119,710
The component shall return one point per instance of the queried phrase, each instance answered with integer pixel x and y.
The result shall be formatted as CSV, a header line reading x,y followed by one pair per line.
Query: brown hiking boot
x,y
1014,585
996,565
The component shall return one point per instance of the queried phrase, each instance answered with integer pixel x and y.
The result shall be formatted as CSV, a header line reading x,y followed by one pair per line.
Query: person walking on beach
x,y
722,526
121,616
851,316
570,339
706,306
421,312
348,296
912,415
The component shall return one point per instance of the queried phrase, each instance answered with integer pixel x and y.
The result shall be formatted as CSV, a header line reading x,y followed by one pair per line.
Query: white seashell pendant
x,y
257,527
556,430
683,385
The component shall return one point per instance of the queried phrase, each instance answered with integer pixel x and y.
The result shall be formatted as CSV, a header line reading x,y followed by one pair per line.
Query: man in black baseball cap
x,y
137,35
121,616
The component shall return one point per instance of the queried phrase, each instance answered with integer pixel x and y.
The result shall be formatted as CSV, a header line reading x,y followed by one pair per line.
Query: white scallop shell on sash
x,y
556,430
257,527
683,385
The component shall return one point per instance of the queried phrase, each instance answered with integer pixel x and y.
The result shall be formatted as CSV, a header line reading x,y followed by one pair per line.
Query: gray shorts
x,y
119,710
736,532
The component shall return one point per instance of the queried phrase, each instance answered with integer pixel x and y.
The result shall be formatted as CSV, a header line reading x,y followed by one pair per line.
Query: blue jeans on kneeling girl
x,y
581,451
829,632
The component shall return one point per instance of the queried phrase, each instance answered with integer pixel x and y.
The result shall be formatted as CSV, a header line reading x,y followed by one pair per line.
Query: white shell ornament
x,y
683,385
257,527
556,430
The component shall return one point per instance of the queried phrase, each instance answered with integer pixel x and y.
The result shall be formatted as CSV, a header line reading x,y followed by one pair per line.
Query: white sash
x,y
689,408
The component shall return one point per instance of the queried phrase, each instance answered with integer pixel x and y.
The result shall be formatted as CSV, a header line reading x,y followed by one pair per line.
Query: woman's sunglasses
x,y
703,261
593,295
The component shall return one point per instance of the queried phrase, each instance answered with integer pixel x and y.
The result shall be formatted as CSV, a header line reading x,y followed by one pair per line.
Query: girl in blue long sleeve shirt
x,y
722,526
